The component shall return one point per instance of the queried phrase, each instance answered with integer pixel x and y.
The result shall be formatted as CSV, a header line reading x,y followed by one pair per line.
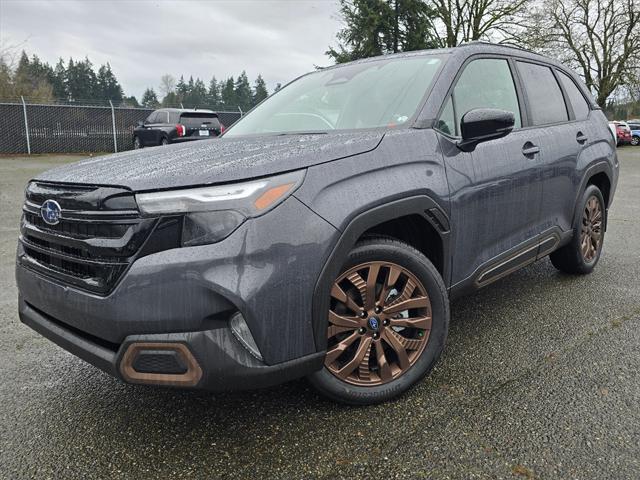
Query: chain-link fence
x,y
35,128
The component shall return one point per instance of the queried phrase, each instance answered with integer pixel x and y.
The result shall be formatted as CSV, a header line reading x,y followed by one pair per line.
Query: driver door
x,y
495,189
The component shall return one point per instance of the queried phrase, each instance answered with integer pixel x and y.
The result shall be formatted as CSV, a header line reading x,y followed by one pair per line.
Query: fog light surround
x,y
241,331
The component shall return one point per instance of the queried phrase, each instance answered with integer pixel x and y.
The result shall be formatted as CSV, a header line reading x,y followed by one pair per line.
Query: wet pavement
x,y
540,379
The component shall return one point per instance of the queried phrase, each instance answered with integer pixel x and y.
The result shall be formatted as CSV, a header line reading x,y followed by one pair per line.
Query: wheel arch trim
x,y
422,205
595,169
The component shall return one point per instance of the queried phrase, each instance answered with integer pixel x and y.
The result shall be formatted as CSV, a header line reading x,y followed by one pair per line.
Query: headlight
x,y
212,213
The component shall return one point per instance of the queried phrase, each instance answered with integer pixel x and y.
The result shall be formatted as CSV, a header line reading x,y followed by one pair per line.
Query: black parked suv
x,y
174,125
325,232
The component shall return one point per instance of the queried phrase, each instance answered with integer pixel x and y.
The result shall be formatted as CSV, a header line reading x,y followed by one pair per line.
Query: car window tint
x,y
546,102
578,103
486,83
151,118
195,120
447,122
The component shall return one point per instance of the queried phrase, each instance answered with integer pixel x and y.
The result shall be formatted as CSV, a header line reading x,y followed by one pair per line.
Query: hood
x,y
213,161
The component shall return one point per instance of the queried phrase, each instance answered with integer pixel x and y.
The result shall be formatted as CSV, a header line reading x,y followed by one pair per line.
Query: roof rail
x,y
504,45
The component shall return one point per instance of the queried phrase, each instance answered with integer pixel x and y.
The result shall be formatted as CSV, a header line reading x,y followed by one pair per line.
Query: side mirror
x,y
482,124
140,123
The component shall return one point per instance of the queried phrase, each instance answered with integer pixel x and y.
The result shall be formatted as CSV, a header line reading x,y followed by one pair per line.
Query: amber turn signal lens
x,y
271,196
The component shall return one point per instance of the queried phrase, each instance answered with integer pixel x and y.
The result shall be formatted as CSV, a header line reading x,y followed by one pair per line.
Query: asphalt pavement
x,y
540,379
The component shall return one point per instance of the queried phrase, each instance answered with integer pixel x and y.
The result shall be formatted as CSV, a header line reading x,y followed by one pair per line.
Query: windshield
x,y
363,95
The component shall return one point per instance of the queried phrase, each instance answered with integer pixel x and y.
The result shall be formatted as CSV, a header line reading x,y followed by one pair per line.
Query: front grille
x,y
99,235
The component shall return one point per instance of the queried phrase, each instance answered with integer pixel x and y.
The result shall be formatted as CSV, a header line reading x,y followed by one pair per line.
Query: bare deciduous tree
x,y
167,85
459,21
599,38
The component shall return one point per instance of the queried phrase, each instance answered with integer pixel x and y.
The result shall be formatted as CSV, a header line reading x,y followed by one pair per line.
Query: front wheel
x,y
581,255
137,144
387,323
635,140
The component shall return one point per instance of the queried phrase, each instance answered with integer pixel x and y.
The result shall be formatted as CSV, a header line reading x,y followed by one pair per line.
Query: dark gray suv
x,y
325,232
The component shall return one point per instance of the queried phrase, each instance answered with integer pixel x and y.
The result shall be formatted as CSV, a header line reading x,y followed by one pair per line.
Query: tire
x,y
635,140
164,141
410,280
137,144
581,255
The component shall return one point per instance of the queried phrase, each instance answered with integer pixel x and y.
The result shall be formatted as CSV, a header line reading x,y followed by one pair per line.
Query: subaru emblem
x,y
50,212
373,323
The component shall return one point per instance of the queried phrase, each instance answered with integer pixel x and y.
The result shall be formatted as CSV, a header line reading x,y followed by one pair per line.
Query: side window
x,y
543,92
447,122
485,83
578,103
154,117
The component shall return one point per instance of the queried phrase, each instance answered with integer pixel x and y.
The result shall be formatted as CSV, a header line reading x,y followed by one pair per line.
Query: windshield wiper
x,y
301,133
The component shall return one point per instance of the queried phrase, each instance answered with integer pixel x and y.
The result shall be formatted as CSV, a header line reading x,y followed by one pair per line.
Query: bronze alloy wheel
x,y
591,235
379,323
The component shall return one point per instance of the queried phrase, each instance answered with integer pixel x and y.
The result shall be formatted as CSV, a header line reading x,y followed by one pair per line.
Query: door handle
x,y
529,149
581,138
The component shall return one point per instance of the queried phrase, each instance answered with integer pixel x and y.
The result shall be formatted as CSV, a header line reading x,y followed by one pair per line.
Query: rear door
x,y
146,134
495,189
561,141
152,131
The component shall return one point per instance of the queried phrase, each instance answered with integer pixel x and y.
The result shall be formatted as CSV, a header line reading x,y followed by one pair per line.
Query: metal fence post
x,y
113,121
240,111
26,125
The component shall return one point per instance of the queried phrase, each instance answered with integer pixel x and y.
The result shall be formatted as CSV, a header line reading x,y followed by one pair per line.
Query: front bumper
x,y
225,365
266,270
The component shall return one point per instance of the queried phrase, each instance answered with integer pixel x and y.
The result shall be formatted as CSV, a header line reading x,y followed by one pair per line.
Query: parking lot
x,y
540,379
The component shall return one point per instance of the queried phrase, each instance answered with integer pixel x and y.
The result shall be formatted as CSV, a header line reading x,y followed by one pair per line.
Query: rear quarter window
x,y
578,103
546,103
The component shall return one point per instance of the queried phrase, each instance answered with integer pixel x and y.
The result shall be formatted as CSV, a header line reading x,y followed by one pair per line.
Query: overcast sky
x,y
144,39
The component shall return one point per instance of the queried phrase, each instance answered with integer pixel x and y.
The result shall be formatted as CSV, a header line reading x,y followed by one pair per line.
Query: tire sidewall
x,y
401,254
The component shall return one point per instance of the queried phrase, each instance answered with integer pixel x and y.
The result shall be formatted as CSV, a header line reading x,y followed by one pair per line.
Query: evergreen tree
x,y
213,95
131,102
107,86
228,95
260,91
171,100
150,99
197,96
377,27
181,89
58,82
31,79
242,90
81,81
6,81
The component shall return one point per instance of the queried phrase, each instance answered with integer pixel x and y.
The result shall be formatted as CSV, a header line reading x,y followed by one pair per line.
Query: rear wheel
x,y
581,255
164,141
387,323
